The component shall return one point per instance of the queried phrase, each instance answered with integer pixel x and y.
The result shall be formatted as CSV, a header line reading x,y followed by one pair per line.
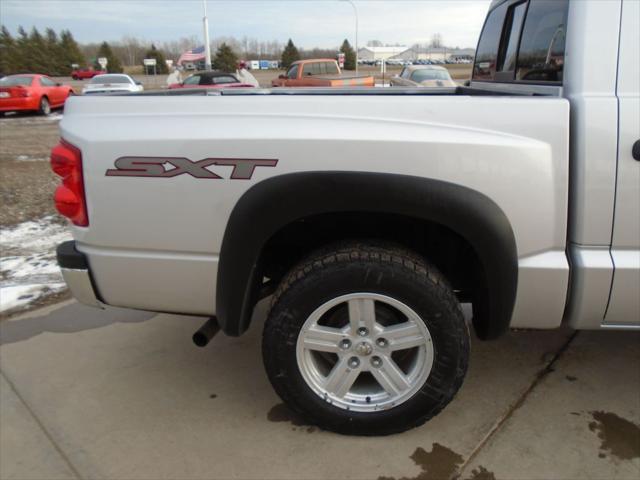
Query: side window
x,y
192,80
310,69
293,72
484,67
511,37
541,55
224,79
47,82
332,68
206,80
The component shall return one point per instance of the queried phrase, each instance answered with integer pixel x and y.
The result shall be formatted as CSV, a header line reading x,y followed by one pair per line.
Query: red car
x,y
32,92
211,79
83,73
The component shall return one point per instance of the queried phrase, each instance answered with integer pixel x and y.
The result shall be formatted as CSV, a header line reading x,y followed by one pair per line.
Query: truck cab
x,y
542,47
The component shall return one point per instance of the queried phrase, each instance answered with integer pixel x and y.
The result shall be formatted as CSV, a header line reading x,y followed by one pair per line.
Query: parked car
x,y
111,83
212,79
84,73
320,72
423,76
368,217
32,92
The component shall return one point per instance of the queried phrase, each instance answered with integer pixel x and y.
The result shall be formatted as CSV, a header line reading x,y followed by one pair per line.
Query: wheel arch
x,y
273,204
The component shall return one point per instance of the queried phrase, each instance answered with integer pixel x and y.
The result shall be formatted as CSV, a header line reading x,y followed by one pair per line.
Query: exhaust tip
x,y
206,332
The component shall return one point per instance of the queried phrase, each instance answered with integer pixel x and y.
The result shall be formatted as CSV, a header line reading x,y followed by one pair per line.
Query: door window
x,y
47,82
293,72
541,55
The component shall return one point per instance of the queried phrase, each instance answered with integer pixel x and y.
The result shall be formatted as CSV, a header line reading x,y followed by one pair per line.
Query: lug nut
x,y
382,342
363,332
354,362
345,344
376,362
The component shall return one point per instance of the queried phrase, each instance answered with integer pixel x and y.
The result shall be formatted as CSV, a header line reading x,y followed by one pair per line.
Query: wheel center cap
x,y
364,349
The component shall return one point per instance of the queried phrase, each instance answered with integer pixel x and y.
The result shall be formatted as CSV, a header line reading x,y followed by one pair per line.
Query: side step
x,y
206,332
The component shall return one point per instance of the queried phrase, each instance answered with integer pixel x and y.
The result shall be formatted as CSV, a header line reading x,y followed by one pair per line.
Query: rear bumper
x,y
76,273
13,104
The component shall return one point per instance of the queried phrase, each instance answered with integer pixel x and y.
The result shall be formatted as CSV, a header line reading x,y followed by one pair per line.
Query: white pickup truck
x,y
370,215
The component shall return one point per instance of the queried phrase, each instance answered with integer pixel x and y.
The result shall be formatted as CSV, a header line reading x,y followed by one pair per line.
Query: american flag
x,y
193,55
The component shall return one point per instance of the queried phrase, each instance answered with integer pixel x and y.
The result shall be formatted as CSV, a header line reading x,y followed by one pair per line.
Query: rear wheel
x,y
45,106
365,339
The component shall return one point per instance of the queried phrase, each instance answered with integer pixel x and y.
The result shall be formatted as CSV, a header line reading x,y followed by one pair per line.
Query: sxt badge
x,y
168,167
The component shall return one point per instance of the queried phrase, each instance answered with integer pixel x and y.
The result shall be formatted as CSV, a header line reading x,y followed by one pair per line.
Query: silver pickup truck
x,y
369,216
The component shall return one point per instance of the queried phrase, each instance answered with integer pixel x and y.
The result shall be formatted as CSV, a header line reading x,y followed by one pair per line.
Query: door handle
x,y
635,151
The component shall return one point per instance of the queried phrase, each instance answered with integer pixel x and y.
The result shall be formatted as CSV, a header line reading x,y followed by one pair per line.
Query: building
x,y
433,53
379,53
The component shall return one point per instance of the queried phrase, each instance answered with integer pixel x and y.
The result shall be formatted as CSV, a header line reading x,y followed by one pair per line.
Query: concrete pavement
x,y
125,395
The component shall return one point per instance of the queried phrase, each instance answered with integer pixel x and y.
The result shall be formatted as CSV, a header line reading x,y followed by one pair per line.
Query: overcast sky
x,y
311,23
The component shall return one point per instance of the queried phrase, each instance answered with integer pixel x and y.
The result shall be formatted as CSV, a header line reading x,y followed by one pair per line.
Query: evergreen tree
x,y
36,54
225,60
349,55
290,54
70,52
161,65
53,52
8,49
113,63
22,44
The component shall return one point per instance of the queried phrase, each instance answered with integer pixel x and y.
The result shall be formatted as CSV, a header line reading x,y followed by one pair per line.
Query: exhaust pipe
x,y
206,332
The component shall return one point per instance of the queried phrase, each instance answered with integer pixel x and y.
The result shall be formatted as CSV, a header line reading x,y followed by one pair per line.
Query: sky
x,y
310,23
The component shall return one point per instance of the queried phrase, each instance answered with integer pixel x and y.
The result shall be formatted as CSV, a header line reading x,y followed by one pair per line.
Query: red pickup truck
x,y
321,72
84,73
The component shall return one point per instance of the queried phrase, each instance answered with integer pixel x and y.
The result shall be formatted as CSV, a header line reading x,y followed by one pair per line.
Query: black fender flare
x,y
276,202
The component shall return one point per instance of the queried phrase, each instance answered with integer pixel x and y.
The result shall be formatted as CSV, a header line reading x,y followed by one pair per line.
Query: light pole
x,y
355,11
207,47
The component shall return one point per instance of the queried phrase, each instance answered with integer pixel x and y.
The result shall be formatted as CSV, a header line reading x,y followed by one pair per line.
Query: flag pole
x,y
207,47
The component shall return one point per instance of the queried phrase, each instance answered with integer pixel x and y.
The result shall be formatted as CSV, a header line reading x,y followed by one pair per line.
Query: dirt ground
x,y
26,181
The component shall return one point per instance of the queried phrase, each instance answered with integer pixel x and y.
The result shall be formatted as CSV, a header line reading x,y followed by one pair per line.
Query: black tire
x,y
358,267
45,106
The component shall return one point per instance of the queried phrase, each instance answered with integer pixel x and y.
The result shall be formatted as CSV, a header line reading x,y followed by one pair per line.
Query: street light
x,y
355,11
207,47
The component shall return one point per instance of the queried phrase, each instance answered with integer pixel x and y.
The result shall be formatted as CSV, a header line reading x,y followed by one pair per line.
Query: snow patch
x,y
28,266
27,158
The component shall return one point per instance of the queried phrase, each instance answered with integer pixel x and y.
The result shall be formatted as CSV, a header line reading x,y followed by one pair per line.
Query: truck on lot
x,y
320,72
369,216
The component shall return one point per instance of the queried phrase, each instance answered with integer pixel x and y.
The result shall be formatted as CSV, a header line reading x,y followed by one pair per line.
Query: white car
x,y
110,83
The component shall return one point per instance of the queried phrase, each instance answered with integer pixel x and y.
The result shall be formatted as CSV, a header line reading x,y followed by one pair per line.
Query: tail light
x,y
66,161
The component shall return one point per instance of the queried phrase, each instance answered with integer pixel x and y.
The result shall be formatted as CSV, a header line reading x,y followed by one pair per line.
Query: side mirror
x,y
138,83
282,76
58,84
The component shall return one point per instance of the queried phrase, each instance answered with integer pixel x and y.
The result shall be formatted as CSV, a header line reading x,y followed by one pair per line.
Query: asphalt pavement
x,y
118,394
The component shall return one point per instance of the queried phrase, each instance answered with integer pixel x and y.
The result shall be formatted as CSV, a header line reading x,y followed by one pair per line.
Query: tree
x,y
436,40
35,53
8,51
290,54
113,64
71,53
349,55
161,65
225,60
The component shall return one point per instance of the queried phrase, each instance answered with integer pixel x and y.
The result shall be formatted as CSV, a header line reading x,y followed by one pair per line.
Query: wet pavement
x,y
125,395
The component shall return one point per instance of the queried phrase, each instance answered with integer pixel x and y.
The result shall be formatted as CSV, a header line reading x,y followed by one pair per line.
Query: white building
x,y
379,53
433,53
